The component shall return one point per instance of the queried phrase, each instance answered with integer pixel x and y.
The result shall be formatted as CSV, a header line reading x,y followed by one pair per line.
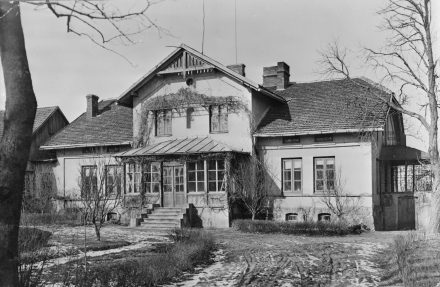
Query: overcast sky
x,y
66,67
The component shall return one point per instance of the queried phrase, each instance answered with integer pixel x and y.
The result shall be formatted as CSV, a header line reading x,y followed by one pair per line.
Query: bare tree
x,y
407,60
82,18
338,201
101,191
250,184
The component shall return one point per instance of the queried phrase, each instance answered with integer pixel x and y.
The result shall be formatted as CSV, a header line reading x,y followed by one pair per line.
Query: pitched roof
x,y
326,107
179,146
41,116
112,126
126,96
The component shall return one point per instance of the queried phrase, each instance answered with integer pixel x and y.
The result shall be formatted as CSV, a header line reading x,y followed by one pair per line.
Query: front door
x,y
406,213
173,186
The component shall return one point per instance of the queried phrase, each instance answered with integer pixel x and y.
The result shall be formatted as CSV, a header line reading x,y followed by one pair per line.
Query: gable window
x,y
113,179
323,138
189,117
196,176
151,177
89,180
218,119
163,123
292,175
324,174
292,139
133,178
216,175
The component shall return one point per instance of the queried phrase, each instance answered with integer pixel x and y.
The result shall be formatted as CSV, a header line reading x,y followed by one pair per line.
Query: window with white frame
x,y
163,123
89,179
218,118
133,178
216,175
151,178
196,176
292,175
324,174
113,179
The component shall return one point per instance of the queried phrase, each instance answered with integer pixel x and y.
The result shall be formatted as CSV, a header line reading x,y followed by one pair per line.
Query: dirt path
x,y
285,260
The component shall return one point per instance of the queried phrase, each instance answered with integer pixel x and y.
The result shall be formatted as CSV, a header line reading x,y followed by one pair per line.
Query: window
x,y
163,123
324,217
292,172
89,180
189,117
324,174
291,139
90,150
218,118
292,217
216,174
133,178
113,149
323,138
410,178
113,179
196,176
151,178
390,132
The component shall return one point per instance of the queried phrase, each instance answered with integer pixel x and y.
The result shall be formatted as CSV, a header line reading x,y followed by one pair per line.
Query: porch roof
x,y
179,146
403,153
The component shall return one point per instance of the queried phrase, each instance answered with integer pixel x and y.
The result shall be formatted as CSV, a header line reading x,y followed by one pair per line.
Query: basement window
x,y
292,217
324,217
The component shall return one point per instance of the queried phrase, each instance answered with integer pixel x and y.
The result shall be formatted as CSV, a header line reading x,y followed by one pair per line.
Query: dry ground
x,y
286,260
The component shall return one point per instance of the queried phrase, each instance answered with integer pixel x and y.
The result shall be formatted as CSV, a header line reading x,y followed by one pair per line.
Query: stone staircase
x,y
165,218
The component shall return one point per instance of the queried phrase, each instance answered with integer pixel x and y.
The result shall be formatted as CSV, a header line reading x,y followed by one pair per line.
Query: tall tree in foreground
x,y
96,20
409,61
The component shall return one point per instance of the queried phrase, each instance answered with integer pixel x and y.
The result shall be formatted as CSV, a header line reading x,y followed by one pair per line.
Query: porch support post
x,y
205,166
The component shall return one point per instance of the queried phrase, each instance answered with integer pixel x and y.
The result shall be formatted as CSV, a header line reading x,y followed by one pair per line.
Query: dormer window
x,y
163,123
218,119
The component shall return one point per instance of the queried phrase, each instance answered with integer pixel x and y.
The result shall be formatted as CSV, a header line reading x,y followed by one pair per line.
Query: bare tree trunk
x,y
15,143
98,231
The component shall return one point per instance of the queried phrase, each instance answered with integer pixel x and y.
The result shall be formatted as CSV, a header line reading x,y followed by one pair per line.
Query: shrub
x,y
297,228
30,239
70,217
191,248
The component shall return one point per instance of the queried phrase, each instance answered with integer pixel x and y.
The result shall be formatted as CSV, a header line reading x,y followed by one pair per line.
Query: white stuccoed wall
x,y
353,159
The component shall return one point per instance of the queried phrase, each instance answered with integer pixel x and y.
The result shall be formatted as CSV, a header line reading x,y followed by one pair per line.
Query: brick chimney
x,y
277,76
92,106
238,68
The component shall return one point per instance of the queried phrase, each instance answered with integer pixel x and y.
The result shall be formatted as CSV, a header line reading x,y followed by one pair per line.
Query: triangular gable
x,y
186,61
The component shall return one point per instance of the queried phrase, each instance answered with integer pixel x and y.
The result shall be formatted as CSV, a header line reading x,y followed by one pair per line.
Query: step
x,y
162,220
167,216
168,212
162,225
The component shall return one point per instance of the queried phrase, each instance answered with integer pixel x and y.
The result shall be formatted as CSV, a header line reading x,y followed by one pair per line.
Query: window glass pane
x,y
287,186
319,185
212,165
319,174
212,175
287,164
297,186
191,186
200,186
200,176
221,164
191,176
212,186
297,175
297,163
